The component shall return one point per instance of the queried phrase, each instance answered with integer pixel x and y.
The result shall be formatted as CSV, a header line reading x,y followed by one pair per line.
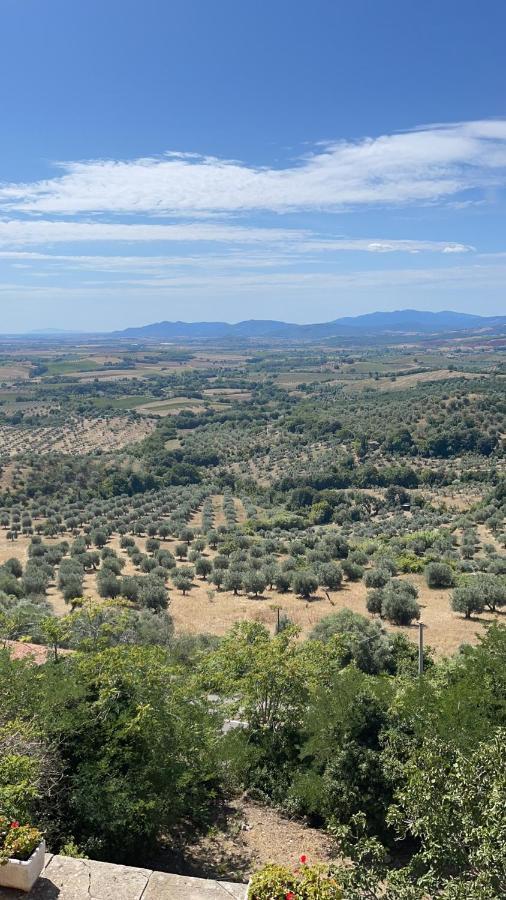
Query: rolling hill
x,y
406,321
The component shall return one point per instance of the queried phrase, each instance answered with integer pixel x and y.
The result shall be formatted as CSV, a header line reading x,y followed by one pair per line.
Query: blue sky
x,y
254,159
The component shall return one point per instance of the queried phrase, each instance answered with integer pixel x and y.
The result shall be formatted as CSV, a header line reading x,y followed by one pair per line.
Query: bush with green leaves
x,y
304,583
475,592
399,604
113,713
354,571
309,882
377,578
14,566
330,575
152,593
254,582
360,640
36,578
439,575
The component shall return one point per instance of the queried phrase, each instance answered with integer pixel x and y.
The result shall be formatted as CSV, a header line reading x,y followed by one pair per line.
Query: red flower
x,y
303,859
290,895
14,824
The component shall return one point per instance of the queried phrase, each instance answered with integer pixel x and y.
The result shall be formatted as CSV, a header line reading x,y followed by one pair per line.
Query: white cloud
x,y
309,284
304,282
381,245
20,232
424,165
16,233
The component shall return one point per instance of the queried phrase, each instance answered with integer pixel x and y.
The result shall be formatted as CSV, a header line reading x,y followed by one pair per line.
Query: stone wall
x,y
64,878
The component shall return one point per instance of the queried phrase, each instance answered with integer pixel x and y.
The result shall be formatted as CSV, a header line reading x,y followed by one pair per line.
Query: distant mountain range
x,y
405,321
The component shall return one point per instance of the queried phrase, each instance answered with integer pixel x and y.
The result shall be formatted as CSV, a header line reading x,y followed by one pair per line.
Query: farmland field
x,y
267,458
264,530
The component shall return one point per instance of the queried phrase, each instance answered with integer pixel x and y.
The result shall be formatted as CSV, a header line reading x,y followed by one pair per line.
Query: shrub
x,y
330,576
399,605
112,564
376,578
362,641
13,566
409,562
275,882
439,575
304,583
129,587
354,571
374,601
254,582
152,593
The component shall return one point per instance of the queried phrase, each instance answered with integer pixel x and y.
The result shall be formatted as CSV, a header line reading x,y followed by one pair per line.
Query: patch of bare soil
x,y
246,837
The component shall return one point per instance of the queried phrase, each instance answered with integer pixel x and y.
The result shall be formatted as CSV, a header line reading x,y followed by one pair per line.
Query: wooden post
x,y
421,626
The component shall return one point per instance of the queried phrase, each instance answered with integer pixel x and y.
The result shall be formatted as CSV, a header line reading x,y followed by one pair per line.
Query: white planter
x,y
22,874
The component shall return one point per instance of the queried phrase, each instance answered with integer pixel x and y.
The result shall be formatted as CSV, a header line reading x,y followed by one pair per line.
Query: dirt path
x,y
247,837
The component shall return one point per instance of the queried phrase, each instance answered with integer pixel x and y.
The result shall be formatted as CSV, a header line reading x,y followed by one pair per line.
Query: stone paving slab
x,y
64,878
162,886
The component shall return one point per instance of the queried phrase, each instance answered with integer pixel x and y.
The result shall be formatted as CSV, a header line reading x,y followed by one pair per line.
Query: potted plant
x,y
309,882
22,852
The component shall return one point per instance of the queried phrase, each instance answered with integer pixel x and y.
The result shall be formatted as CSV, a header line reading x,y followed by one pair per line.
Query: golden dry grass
x,y
205,609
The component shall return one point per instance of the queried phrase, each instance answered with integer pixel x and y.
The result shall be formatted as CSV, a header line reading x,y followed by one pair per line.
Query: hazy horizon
x,y
49,330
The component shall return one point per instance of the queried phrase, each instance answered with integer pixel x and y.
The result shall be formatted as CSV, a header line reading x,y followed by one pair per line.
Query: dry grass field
x,y
209,610
206,609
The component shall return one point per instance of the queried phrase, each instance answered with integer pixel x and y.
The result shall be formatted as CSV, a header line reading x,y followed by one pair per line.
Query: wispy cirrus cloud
x,y
19,232
425,165
309,284
22,232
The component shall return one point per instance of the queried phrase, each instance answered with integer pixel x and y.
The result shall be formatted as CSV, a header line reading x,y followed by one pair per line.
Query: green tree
x,y
468,597
203,567
254,582
398,604
439,575
304,583
361,641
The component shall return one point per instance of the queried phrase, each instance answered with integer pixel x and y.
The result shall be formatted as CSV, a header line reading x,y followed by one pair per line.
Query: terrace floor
x,y
64,878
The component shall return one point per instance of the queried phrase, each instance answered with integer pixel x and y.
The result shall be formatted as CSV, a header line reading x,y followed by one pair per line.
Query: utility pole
x,y
421,626
277,610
